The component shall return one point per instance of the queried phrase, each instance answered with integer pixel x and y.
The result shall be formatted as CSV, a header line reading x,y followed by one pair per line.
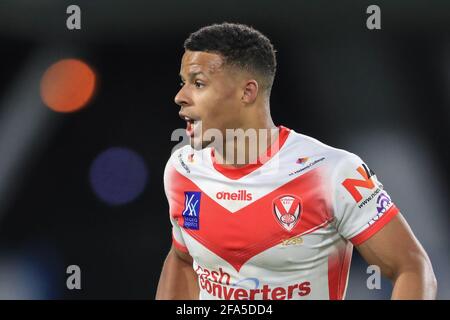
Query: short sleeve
x,y
177,236
361,205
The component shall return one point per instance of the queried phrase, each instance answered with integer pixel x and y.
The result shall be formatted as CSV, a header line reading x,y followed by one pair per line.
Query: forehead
x,y
206,62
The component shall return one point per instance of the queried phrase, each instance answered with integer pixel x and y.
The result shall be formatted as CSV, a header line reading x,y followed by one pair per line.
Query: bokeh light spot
x,y
67,85
118,175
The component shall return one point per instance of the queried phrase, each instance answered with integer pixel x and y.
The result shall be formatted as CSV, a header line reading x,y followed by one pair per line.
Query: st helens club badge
x,y
287,210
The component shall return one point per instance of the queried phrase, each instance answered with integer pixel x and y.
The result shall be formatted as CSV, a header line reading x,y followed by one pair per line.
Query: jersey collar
x,y
236,173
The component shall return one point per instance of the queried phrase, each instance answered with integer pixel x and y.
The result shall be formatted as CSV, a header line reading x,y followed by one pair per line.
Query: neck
x,y
247,143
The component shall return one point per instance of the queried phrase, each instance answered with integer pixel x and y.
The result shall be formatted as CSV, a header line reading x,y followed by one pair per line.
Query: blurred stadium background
x,y
81,177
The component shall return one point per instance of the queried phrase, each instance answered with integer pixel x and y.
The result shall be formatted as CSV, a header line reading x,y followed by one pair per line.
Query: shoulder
x,y
336,164
178,155
308,145
176,162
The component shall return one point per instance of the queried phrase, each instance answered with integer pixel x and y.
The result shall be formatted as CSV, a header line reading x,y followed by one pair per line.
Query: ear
x,y
250,91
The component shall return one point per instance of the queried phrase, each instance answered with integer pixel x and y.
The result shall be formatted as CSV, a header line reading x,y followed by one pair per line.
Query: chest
x,y
238,220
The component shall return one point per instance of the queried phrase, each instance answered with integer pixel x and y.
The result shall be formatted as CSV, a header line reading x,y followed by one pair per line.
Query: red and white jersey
x,y
284,229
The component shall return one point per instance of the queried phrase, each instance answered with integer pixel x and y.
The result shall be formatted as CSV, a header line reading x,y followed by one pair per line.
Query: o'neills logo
x,y
218,284
241,195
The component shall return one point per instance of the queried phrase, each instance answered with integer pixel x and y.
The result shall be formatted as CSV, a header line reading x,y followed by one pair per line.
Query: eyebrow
x,y
191,75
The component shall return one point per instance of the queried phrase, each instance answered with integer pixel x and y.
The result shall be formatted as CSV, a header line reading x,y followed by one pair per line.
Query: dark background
x,y
382,94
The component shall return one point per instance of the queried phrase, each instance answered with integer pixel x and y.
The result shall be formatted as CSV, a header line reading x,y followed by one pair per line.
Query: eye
x,y
198,84
181,83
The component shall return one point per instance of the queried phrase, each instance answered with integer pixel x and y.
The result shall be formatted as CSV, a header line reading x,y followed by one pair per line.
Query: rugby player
x,y
280,224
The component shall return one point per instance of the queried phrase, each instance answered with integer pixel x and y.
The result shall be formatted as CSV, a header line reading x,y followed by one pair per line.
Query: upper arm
x,y
182,255
178,279
395,249
365,215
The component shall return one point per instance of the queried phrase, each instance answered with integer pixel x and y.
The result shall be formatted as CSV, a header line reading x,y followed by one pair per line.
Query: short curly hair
x,y
240,45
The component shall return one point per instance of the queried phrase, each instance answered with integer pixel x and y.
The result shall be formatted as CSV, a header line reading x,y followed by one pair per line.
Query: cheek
x,y
222,102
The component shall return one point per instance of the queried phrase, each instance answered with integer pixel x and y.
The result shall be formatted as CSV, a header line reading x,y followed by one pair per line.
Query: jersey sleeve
x,y
177,236
361,205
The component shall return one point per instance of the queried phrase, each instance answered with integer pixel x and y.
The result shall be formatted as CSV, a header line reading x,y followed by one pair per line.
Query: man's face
x,y
210,93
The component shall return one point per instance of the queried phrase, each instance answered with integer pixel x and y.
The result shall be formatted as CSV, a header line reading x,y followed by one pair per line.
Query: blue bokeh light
x,y
118,175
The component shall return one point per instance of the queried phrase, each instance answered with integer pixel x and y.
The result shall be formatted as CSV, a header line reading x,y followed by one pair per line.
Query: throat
x,y
249,147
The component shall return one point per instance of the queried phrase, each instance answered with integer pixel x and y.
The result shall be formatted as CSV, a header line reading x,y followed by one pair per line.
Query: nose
x,y
181,98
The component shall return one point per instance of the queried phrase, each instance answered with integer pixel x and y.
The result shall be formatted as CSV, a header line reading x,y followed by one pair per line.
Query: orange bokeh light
x,y
67,85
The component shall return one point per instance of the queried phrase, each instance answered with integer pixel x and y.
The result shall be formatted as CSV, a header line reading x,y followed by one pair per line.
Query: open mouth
x,y
190,128
190,125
